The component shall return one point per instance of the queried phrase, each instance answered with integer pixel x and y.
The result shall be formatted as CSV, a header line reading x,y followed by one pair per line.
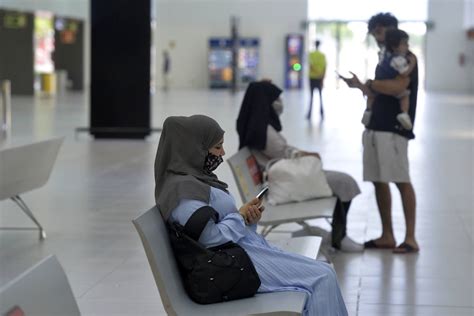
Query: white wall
x,y
444,44
190,23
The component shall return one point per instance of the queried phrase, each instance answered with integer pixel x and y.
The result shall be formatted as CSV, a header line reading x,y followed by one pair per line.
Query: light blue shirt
x,y
230,227
278,270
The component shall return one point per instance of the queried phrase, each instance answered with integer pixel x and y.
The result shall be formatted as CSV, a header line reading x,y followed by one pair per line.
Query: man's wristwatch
x,y
369,85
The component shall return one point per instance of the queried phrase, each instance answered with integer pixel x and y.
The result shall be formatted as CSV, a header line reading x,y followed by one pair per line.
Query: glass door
x,y
349,48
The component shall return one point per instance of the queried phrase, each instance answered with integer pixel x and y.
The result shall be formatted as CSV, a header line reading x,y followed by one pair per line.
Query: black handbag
x,y
211,275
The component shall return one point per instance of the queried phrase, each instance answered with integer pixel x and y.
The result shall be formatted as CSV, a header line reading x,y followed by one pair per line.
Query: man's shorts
x,y
315,83
385,157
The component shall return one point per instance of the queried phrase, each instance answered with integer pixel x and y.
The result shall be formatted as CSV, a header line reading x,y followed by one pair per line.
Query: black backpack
x,y
211,275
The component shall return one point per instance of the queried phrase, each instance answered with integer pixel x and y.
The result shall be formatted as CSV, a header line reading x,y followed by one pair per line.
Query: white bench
x,y
154,236
249,181
25,168
41,290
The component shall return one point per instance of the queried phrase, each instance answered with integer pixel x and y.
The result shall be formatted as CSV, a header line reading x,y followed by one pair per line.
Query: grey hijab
x,y
179,164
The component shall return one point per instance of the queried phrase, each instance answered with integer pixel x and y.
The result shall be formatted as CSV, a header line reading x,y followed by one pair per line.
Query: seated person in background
x,y
190,149
396,61
259,129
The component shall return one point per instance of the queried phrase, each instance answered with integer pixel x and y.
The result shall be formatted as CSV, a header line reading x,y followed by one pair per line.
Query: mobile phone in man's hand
x,y
341,76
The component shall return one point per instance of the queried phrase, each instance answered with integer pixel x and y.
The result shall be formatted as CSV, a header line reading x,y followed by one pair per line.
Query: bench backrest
x,y
27,167
41,290
154,236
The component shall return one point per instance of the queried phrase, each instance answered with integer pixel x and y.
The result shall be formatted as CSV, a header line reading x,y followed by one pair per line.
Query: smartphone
x,y
262,193
340,76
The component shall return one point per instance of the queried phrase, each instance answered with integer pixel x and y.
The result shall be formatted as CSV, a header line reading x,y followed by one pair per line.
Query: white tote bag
x,y
296,179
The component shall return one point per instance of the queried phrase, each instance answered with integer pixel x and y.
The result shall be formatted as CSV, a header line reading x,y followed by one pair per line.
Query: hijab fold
x,y
256,113
179,163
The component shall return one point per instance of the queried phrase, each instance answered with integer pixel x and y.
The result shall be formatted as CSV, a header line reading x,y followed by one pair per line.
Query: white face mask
x,y
278,106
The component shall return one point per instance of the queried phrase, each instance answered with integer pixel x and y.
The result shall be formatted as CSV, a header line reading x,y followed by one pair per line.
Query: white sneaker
x,y
366,117
349,245
405,120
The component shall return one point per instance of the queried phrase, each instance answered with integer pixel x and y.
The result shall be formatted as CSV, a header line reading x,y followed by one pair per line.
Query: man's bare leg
x,y
384,203
409,208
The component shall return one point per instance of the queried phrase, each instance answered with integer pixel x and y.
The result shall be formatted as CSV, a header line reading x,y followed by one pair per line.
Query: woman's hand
x,y
252,211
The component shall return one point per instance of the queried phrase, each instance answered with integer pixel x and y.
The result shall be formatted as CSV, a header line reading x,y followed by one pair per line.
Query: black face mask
x,y
212,162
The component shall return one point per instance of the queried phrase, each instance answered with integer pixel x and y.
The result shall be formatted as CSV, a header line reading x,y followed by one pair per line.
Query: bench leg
x,y
267,229
19,201
308,230
325,256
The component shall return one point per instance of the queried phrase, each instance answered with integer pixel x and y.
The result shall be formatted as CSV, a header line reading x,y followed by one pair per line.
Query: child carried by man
x,y
396,60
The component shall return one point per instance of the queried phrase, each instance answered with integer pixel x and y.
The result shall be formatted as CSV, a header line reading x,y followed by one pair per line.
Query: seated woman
x,y
190,149
259,129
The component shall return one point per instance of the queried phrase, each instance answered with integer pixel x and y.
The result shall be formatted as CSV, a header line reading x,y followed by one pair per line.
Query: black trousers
x,y
339,222
315,84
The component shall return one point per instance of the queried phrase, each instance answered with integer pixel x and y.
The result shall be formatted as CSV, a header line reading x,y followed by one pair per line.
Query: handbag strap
x,y
270,163
196,223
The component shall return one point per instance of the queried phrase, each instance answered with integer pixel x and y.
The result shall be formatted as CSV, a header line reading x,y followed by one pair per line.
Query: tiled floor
x,y
97,187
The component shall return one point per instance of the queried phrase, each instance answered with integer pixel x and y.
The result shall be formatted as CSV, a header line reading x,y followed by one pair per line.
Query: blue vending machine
x,y
294,47
220,61
248,61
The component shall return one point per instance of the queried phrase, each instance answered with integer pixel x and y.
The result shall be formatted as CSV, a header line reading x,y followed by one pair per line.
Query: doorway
x,y
348,47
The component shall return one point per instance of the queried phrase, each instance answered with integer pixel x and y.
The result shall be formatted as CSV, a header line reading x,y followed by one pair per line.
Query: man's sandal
x,y
372,245
405,248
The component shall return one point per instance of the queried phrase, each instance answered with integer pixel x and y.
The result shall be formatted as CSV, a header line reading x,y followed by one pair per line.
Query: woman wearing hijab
x,y
190,149
259,129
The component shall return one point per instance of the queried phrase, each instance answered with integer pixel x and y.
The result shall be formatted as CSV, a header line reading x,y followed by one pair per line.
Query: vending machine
x,y
220,61
248,60
294,48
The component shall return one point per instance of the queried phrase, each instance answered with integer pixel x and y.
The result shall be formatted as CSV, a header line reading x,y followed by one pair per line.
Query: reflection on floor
x,y
97,187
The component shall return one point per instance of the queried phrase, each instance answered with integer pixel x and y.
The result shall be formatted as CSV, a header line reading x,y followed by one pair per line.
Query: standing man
x,y
166,69
386,143
317,71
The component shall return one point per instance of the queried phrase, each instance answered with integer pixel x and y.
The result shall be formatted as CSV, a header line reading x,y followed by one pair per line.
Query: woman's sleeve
x,y
276,146
230,228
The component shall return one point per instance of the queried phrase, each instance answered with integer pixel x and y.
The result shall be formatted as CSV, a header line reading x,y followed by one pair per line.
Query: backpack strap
x,y
196,223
